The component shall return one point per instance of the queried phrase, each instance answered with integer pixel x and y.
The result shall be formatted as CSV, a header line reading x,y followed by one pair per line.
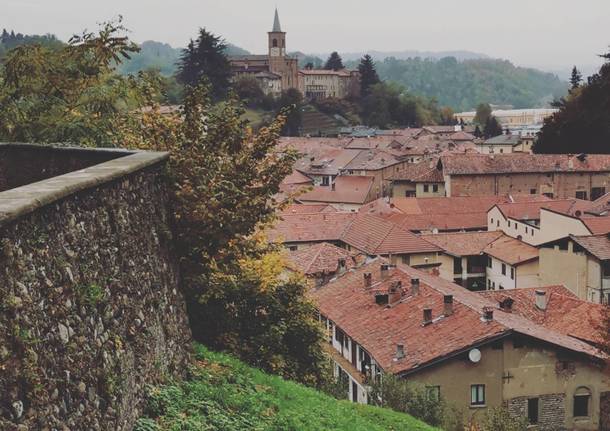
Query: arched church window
x,y
275,43
284,43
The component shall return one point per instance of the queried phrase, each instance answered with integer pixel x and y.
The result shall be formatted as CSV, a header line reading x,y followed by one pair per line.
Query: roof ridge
x,y
315,256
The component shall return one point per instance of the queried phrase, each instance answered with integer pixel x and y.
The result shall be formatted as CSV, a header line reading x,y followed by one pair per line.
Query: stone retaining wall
x,y
90,310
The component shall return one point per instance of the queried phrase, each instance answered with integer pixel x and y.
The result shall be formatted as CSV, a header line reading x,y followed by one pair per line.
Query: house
x,y
463,260
295,182
511,264
540,222
470,349
506,143
323,163
364,234
440,214
319,84
562,176
421,180
511,117
580,263
376,163
322,262
346,193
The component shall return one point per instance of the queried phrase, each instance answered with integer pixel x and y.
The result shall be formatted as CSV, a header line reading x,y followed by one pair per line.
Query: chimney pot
x,y
488,314
541,299
368,279
448,305
414,286
427,316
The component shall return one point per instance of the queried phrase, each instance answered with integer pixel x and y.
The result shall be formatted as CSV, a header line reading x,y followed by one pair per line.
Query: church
x,y
277,72
274,71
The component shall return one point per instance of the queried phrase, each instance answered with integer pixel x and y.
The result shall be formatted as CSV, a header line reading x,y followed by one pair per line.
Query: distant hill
x,y
411,53
464,84
162,56
10,40
226,394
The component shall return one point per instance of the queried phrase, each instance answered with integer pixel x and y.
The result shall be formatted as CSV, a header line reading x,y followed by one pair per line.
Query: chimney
x,y
341,265
448,305
488,314
385,269
427,316
400,351
414,286
368,280
540,299
395,292
333,186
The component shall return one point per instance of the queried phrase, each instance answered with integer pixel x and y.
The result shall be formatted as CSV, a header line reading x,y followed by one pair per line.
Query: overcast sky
x,y
550,34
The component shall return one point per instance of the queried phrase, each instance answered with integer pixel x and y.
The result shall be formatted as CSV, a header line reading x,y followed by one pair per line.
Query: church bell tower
x,y
277,39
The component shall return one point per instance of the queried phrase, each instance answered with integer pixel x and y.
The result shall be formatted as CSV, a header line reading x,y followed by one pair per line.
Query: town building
x,y
506,144
318,84
580,263
477,351
511,264
511,117
345,193
276,71
584,176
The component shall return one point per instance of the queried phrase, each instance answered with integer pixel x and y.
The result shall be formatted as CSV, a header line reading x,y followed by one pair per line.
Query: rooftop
x,y
345,189
597,245
379,329
322,258
531,210
472,164
511,250
463,243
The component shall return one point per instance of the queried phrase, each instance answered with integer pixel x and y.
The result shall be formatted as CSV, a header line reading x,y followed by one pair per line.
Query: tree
x,y
446,116
499,419
492,128
483,113
576,78
291,100
368,75
70,94
582,124
334,62
205,57
249,91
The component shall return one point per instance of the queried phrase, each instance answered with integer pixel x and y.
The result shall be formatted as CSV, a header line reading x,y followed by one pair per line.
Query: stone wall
x,y
551,411
90,310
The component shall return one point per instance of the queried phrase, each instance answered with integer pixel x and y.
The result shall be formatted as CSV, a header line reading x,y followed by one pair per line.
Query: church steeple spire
x,y
277,28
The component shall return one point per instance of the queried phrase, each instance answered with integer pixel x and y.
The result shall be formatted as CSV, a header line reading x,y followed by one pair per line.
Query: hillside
x,y
225,394
464,84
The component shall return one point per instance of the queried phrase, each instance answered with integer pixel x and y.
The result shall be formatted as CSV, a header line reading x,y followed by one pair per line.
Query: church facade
x,y
276,71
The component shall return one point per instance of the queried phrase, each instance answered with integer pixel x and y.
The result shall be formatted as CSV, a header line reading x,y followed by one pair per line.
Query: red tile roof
x,y
564,312
311,227
294,182
425,171
531,210
441,222
372,160
511,250
463,243
347,189
322,258
377,236
597,245
308,208
462,136
379,329
473,164
597,225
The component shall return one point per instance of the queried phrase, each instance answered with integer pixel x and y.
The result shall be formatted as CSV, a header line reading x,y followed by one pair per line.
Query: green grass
x,y
225,394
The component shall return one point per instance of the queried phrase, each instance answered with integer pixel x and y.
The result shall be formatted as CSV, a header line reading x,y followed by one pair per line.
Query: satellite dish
x,y
474,355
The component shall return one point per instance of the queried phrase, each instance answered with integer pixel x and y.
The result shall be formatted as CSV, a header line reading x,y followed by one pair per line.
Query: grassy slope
x,y
225,394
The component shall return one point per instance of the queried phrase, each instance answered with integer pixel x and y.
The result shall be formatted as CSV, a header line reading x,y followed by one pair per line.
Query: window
x,y
581,195
492,221
597,192
292,248
275,43
503,269
339,335
532,191
488,262
426,187
325,181
497,223
433,392
509,223
488,284
512,273
532,410
435,188
477,395
582,398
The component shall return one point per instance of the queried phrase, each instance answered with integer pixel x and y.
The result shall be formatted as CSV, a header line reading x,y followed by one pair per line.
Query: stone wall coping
x,y
19,201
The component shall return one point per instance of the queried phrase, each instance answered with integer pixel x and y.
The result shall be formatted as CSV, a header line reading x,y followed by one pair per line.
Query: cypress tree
x,y
576,78
368,74
334,62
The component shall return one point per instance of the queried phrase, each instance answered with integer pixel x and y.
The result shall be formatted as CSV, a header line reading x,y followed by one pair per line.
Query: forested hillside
x,y
462,85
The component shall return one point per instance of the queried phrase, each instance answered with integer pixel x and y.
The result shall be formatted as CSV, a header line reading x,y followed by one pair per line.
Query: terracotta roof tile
x,y
379,329
511,250
347,189
597,225
321,258
473,164
308,208
531,210
597,245
311,227
463,243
